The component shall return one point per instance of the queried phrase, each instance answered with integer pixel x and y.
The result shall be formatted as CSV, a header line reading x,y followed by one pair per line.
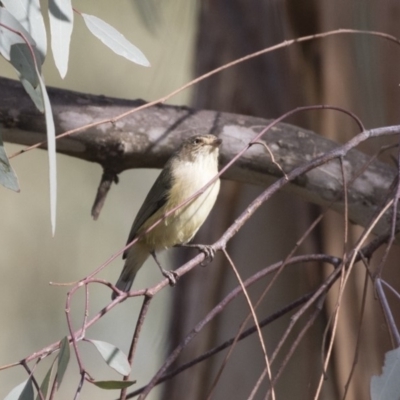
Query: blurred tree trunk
x,y
344,71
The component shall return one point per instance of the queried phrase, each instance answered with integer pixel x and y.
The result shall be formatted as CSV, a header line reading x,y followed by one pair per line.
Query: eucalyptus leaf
x,y
51,151
29,15
110,385
114,40
7,37
18,47
63,360
22,54
34,93
8,178
44,387
27,392
21,392
61,16
113,356
21,59
387,386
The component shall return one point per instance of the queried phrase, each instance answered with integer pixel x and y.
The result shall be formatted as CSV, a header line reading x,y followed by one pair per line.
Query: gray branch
x,y
147,138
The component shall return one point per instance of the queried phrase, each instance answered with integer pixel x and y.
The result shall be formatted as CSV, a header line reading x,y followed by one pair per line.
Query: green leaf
x,y
29,15
44,387
7,175
109,385
63,360
24,391
387,386
114,40
113,356
61,16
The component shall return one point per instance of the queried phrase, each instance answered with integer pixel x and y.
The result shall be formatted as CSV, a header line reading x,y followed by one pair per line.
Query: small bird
x,y
189,168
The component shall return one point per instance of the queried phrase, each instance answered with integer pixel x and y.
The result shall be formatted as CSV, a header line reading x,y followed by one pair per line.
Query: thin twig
x,y
222,305
394,219
80,386
296,342
394,333
71,331
368,250
261,339
135,338
272,156
34,381
352,260
272,281
335,313
391,288
358,339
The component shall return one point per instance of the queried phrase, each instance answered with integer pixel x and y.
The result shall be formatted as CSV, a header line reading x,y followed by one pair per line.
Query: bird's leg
x,y
170,275
208,251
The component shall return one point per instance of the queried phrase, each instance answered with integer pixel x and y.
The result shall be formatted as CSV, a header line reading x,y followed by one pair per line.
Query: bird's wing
x,y
155,199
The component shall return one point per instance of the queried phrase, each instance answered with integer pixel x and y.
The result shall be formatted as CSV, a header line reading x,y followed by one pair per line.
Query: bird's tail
x,y
137,255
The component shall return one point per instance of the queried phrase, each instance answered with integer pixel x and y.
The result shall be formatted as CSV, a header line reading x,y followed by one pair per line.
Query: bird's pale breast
x,y
182,225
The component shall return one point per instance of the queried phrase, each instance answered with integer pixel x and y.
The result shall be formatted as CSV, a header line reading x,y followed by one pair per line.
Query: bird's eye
x,y
197,141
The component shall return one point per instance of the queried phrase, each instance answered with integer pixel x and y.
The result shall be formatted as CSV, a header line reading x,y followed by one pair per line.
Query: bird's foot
x,y
207,250
172,276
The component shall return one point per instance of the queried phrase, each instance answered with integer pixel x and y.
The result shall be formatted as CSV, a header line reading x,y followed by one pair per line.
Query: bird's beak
x,y
217,142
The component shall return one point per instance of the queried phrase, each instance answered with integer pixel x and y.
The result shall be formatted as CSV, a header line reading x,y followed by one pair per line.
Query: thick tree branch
x,y
147,138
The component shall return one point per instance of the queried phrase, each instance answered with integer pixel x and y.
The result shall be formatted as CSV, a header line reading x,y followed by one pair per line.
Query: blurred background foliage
x,y
182,39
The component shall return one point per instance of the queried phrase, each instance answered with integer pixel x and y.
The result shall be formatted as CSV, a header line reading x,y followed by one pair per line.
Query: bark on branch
x,y
147,138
